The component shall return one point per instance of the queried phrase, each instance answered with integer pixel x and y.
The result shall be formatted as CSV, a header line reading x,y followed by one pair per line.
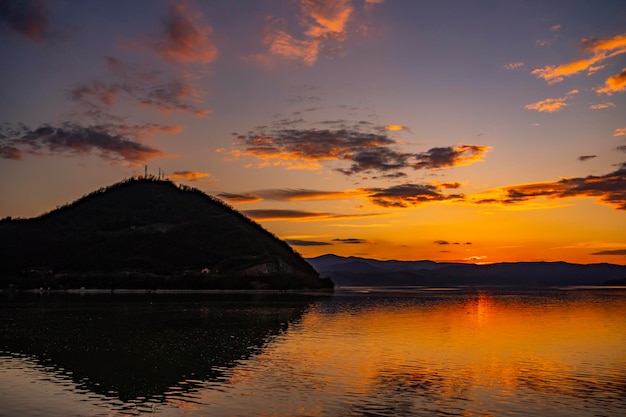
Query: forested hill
x,y
144,232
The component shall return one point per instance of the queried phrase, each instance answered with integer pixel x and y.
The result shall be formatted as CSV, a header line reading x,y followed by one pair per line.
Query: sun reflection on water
x,y
403,353
472,355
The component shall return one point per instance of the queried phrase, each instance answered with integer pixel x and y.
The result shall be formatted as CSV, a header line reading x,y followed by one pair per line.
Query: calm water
x,y
407,352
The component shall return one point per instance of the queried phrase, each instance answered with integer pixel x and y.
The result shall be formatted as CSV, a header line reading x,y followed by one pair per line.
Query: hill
x,y
355,271
147,233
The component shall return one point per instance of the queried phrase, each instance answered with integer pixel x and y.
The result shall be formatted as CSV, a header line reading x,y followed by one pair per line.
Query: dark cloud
x,y
446,157
584,158
609,189
445,242
451,185
403,195
239,198
10,152
406,195
305,99
377,159
296,242
611,252
301,194
25,17
366,146
352,241
621,148
116,143
272,214
142,89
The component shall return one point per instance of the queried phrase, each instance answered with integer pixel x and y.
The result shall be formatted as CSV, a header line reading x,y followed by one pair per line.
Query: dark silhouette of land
x,y
148,233
355,271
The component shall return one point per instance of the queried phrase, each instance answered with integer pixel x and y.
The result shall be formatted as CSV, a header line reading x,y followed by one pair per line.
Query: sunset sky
x,y
472,131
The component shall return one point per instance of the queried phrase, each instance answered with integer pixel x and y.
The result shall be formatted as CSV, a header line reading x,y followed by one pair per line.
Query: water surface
x,y
359,352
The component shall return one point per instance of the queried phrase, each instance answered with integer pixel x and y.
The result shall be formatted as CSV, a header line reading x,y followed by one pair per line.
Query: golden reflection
x,y
479,352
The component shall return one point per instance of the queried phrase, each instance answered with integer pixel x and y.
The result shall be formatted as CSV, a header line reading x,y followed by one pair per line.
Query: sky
x,y
465,131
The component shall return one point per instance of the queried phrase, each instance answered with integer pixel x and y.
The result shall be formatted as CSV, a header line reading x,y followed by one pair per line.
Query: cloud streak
x,y
398,196
240,198
300,215
405,195
445,242
617,252
600,50
620,131
353,241
191,176
114,143
601,106
584,158
298,242
609,189
147,91
551,105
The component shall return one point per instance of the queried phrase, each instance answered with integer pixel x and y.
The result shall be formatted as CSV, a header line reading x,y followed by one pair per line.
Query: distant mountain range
x,y
355,271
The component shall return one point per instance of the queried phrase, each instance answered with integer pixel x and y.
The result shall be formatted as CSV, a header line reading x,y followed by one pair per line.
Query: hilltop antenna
x,y
145,171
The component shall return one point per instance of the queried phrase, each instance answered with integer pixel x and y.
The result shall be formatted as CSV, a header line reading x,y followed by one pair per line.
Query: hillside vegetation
x,y
144,233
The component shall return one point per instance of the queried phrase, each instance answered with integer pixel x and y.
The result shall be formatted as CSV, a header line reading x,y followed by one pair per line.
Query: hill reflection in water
x,y
140,345
458,352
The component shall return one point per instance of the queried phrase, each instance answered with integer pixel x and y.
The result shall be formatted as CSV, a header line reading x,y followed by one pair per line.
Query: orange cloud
x,y
614,84
620,131
609,189
190,176
240,198
403,195
601,50
185,37
396,127
285,45
324,25
600,106
551,105
329,17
